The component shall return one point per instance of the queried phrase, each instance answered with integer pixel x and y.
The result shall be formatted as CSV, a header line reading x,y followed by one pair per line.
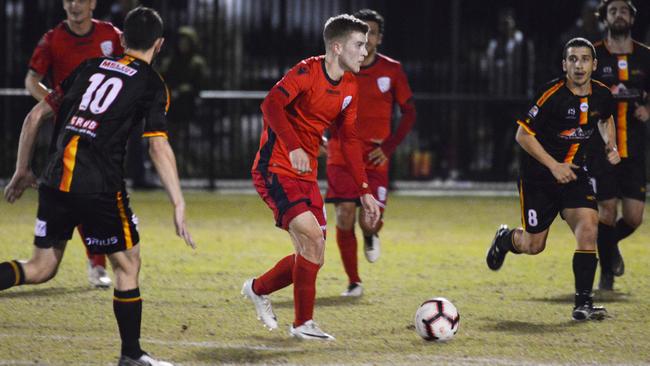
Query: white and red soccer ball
x,y
437,319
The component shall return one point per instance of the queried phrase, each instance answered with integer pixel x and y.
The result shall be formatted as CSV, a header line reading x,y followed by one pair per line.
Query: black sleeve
x,y
155,115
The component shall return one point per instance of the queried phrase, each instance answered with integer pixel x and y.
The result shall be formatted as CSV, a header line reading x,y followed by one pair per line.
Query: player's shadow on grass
x,y
599,296
231,355
522,327
325,301
44,292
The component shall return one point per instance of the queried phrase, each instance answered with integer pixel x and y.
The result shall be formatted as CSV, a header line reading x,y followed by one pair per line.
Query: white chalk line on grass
x,y
416,359
201,344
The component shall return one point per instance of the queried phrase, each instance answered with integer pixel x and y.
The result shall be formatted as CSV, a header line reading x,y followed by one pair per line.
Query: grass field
x,y
194,315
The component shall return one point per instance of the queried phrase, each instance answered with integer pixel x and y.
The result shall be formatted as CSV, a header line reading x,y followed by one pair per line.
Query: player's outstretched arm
x,y
164,160
607,130
563,172
34,85
23,177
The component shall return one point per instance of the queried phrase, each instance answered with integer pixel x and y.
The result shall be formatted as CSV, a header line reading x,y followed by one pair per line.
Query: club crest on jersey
x,y
622,64
571,112
584,107
607,70
532,113
346,102
107,48
383,83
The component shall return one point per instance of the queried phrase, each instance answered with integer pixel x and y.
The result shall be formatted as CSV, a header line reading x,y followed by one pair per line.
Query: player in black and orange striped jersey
x,y
314,95
555,134
624,66
76,39
99,104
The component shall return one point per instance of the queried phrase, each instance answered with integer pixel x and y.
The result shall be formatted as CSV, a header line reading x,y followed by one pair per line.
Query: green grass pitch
x,y
194,315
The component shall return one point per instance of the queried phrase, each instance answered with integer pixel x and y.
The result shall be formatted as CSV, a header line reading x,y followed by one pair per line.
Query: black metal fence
x,y
464,128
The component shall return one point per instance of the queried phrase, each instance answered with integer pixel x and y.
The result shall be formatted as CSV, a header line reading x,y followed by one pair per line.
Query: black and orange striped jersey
x,y
99,105
563,123
628,77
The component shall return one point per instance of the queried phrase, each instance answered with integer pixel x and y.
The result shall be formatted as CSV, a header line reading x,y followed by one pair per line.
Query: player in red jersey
x,y
316,94
58,53
382,83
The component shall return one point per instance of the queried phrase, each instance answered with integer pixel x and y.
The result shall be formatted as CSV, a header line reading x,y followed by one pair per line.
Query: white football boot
x,y
144,360
371,247
354,290
310,330
98,277
262,305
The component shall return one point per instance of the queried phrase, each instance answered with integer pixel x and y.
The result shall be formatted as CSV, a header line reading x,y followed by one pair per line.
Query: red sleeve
x,y
351,145
405,125
41,60
282,94
403,97
118,49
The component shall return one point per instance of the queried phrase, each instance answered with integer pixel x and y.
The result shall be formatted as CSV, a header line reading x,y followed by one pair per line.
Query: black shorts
x,y
626,179
541,202
105,220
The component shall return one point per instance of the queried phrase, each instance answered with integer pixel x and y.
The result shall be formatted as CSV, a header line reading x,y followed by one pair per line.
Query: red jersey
x,y
61,51
381,84
297,111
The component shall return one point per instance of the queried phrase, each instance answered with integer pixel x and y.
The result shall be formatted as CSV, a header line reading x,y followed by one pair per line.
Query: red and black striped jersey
x,y
628,78
99,105
564,124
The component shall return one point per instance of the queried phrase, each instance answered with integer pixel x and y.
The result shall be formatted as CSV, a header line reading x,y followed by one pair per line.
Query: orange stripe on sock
x,y
133,299
69,159
15,267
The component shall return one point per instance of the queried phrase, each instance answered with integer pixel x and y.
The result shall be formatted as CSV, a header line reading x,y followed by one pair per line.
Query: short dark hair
x,y
342,25
601,13
369,15
579,42
142,27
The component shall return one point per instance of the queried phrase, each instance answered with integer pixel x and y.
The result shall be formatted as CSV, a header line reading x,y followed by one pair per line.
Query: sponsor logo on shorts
x,y
532,113
40,229
91,242
591,198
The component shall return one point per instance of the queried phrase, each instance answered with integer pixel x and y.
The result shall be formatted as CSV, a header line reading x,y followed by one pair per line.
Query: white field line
x,y
412,359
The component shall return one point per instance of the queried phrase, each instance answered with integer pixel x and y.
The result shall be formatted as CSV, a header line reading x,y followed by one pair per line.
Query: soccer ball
x,y
437,319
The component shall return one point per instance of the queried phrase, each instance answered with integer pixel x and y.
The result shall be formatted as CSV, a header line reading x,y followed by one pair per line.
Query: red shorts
x,y
341,186
289,197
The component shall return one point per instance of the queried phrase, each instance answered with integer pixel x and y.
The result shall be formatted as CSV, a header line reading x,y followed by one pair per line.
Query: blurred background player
x,y
58,53
318,93
98,106
382,83
555,135
624,66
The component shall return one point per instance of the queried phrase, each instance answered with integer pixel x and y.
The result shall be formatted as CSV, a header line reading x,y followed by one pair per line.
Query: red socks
x,y
97,259
276,278
347,243
304,289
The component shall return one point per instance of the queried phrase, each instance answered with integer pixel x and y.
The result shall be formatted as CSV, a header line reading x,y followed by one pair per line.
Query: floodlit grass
x,y
194,315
